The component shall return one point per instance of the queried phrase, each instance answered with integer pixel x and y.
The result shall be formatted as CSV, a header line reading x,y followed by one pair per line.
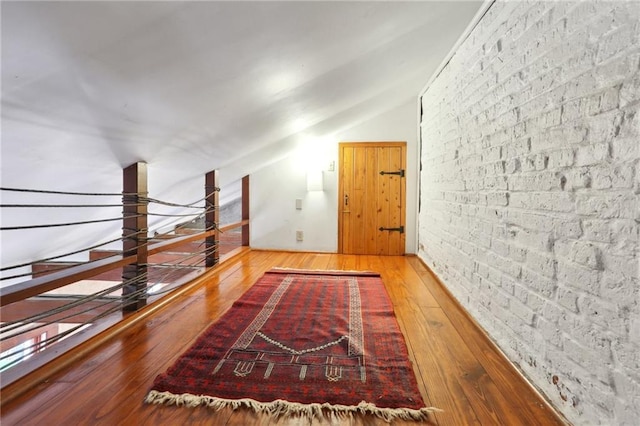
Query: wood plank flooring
x,y
457,368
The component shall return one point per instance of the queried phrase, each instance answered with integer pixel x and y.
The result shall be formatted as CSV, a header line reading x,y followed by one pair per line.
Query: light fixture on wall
x,y
315,180
315,156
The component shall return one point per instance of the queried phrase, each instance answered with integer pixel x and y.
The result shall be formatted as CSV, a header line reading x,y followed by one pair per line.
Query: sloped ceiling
x,y
91,87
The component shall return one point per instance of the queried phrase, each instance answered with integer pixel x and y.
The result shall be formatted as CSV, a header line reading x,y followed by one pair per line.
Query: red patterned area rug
x,y
301,343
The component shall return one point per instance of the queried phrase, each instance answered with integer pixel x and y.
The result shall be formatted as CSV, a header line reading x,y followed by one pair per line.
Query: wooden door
x,y
372,198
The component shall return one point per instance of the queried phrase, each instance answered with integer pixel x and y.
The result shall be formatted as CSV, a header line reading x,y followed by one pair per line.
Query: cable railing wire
x,y
122,301
179,265
166,203
47,206
45,191
134,195
37,325
8,326
42,344
11,325
53,225
207,195
179,215
170,204
47,259
137,198
5,268
116,253
187,261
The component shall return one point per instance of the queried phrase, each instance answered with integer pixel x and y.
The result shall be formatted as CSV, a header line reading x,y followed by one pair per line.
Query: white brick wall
x,y
530,187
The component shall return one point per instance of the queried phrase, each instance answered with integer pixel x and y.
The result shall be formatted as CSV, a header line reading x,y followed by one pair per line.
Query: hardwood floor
x,y
457,368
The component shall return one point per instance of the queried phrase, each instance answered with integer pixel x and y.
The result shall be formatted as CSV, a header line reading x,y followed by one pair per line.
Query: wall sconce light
x,y
315,180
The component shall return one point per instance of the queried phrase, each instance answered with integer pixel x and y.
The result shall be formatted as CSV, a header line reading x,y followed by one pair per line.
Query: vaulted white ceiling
x,y
89,87
201,85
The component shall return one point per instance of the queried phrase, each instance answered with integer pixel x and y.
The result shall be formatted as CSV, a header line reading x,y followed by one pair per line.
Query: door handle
x,y
346,199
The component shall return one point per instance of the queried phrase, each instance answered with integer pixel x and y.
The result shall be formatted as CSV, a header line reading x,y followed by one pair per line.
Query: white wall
x,y
530,207
275,188
274,217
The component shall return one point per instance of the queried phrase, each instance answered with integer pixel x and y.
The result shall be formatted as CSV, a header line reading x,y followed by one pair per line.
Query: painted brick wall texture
x,y
530,188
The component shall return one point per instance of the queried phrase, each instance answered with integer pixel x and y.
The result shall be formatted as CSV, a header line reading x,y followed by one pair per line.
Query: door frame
x,y
403,194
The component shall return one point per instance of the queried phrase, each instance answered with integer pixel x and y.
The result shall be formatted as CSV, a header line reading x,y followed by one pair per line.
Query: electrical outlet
x,y
299,235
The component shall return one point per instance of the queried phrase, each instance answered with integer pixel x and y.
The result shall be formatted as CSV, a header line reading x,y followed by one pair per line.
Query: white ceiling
x,y
200,85
89,87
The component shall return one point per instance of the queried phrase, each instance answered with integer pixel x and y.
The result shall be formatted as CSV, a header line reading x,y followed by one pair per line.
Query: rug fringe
x,y
282,408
